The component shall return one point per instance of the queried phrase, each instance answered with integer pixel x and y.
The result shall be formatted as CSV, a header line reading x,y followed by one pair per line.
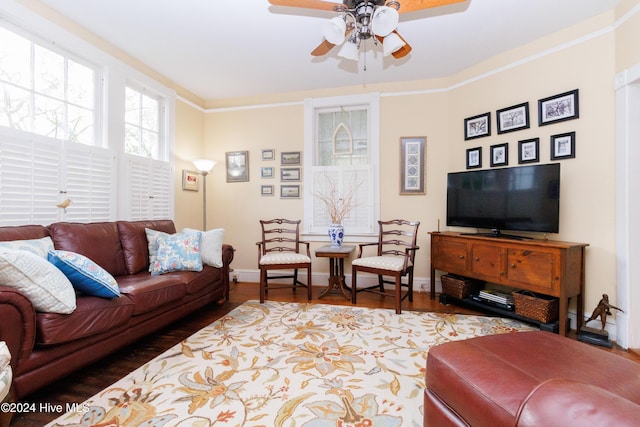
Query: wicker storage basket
x,y
543,308
459,287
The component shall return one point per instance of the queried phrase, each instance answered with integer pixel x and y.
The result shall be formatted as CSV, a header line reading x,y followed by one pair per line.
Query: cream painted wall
x,y
627,35
559,63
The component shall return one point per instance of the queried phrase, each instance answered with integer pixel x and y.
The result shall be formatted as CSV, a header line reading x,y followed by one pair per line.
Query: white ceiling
x,y
225,49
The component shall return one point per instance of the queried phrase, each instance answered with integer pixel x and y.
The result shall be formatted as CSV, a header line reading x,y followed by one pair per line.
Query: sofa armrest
x,y
561,402
18,325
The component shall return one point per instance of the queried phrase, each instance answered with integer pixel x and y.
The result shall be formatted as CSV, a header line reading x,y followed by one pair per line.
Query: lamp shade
x,y
385,20
334,29
349,50
204,165
391,44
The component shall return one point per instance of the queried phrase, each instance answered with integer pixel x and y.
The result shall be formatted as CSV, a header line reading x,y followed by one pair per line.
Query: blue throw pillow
x,y
85,275
180,251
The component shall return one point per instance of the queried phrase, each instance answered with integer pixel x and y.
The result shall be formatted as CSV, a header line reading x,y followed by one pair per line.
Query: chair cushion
x,y
274,258
390,263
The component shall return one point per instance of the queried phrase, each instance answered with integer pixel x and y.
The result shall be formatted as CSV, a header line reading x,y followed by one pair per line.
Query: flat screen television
x,y
523,198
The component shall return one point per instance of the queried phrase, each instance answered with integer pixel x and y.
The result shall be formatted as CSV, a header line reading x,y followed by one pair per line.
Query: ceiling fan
x,y
362,20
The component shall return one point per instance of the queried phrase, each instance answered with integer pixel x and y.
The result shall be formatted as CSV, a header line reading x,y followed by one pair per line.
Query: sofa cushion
x,y
40,247
176,252
197,281
85,275
92,316
45,286
23,232
211,246
98,241
135,244
150,292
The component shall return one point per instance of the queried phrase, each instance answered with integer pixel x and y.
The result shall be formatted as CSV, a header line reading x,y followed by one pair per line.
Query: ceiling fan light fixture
x,y
392,43
350,51
334,30
385,20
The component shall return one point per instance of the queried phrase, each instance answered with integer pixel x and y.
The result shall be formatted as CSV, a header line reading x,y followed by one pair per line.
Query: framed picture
x,y
190,180
237,163
563,146
499,155
266,190
289,174
268,154
266,172
290,158
412,165
474,158
477,126
558,108
529,150
513,118
290,191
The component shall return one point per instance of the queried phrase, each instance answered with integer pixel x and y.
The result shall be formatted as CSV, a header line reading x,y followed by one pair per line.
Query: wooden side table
x,y
336,268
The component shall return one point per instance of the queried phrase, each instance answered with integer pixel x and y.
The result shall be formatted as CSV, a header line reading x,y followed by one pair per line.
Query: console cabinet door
x,y
449,255
536,270
487,261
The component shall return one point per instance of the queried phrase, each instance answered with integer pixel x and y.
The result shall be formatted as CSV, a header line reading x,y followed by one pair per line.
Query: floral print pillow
x,y
176,252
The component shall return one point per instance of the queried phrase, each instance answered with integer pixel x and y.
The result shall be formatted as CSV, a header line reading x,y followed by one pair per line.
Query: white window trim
x,y
373,123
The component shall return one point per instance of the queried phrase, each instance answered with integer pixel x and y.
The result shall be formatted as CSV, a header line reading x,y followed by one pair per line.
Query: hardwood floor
x,y
83,384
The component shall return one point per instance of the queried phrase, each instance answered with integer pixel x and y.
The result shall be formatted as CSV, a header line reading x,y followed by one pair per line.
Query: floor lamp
x,y
204,166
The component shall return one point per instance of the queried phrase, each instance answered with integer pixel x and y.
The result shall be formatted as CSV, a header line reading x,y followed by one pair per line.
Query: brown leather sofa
x,y
47,346
529,379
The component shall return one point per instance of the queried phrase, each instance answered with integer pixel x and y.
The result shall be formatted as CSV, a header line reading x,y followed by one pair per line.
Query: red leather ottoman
x,y
501,380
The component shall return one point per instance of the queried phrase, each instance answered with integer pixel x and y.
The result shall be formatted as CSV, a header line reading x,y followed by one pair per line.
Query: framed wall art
x,y
513,118
289,174
266,172
290,158
558,108
266,190
290,191
477,126
474,158
529,150
268,154
237,163
563,146
190,180
499,155
412,173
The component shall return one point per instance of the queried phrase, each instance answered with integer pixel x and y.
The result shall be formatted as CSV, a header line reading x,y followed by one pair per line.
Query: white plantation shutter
x,y
149,186
90,177
29,180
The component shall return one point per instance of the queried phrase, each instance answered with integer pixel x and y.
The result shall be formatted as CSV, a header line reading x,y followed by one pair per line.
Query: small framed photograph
x,y
190,180
529,150
290,158
266,190
563,146
266,172
558,108
290,191
289,174
412,165
513,118
268,154
499,155
477,126
237,163
474,158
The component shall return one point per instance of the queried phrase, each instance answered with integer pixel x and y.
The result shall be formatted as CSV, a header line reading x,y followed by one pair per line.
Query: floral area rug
x,y
288,364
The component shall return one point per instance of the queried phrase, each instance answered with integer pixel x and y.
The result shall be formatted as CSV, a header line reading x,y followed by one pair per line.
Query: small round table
x,y
336,267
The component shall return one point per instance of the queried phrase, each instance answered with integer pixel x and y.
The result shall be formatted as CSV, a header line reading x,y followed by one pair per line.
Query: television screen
x,y
524,198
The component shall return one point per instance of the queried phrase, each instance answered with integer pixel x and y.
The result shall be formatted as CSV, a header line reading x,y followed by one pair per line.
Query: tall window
x,y
342,156
45,92
142,124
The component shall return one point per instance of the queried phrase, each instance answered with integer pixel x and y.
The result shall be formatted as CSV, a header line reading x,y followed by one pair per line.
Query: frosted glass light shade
x,y
385,20
392,43
334,29
204,165
349,51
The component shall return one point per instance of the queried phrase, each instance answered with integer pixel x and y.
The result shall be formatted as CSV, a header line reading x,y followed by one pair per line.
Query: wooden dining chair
x,y
394,258
282,249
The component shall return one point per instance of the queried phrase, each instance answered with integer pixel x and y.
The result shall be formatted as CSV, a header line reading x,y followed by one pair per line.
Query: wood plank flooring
x,y
83,384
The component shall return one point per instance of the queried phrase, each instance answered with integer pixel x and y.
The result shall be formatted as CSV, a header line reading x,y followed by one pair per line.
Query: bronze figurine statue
x,y
602,310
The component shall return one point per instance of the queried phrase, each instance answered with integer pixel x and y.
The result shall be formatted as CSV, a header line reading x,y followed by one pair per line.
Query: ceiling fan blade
x,y
323,48
413,5
307,4
403,51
